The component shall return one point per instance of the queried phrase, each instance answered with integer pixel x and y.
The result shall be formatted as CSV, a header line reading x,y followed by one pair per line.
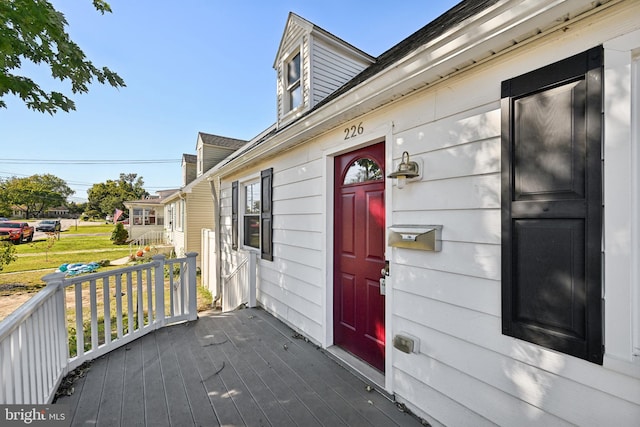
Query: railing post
x,y
159,289
192,292
251,298
57,280
61,336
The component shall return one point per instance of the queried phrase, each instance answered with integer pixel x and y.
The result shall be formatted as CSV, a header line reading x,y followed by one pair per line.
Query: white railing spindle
x,y
106,303
119,306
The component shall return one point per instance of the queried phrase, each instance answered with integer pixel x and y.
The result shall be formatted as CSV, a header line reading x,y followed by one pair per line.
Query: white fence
x,y
76,319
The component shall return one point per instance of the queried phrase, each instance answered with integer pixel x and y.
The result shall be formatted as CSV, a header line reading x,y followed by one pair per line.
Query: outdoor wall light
x,y
406,170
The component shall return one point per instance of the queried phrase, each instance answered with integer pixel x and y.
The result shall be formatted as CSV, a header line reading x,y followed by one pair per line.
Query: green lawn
x,y
86,244
68,243
89,229
55,259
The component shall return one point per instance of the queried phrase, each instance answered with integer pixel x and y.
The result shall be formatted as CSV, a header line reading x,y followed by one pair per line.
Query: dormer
x,y
312,63
211,149
189,162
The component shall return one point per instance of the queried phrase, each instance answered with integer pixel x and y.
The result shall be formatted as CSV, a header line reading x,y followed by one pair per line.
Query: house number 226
x,y
353,131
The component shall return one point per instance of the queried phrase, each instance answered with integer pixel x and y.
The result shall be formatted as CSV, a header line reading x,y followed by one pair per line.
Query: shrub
x,y
119,236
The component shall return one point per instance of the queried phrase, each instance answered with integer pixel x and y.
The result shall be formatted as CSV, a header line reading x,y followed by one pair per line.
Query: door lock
x,y
383,278
385,271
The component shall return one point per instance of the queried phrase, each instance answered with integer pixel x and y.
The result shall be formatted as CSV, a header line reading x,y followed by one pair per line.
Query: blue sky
x,y
189,66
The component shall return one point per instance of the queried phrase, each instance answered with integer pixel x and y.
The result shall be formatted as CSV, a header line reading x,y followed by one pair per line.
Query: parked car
x,y
3,219
49,226
16,231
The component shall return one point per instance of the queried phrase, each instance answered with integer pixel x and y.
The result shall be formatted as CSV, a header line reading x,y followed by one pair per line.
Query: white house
x,y
146,216
189,210
511,281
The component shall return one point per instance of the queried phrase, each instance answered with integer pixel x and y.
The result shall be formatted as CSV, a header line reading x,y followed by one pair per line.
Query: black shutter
x,y
234,215
266,216
552,206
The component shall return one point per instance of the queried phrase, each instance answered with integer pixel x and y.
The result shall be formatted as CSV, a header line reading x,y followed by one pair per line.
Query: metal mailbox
x,y
421,237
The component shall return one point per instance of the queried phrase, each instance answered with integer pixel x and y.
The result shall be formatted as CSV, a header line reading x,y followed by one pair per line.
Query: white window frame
x,y
622,203
179,215
144,214
635,197
287,87
244,186
200,160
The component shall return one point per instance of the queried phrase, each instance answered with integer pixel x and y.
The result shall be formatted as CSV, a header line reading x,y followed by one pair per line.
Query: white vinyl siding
x,y
330,70
292,286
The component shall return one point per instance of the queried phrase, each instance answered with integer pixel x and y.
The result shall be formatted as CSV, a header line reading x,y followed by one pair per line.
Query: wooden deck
x,y
233,369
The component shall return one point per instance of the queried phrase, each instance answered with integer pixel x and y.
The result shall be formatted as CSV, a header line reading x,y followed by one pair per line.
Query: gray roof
x,y
221,141
189,158
457,14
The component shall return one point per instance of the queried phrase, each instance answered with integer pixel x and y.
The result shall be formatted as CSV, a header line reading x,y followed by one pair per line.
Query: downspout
x,y
184,223
216,220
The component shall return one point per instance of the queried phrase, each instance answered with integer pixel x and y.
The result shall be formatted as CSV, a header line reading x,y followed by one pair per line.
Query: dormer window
x,y
294,88
310,65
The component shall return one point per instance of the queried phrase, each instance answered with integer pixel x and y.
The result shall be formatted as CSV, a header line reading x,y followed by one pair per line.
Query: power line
x,y
83,184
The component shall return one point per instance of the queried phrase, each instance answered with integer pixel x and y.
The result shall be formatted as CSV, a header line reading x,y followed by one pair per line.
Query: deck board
x,y
88,404
200,405
179,408
155,394
244,368
133,391
111,404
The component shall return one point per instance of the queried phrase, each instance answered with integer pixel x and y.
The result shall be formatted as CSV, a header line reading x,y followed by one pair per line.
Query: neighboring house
x,y
57,212
522,119
146,216
190,209
18,211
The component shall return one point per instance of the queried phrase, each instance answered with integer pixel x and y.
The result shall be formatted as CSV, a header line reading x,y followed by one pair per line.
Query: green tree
x,y
37,193
7,254
119,235
33,30
76,209
5,206
108,196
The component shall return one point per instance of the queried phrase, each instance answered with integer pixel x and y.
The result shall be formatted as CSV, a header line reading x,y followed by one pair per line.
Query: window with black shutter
x,y
552,206
255,215
266,215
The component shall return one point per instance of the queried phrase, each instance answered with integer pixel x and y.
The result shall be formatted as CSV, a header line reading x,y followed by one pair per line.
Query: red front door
x,y
359,239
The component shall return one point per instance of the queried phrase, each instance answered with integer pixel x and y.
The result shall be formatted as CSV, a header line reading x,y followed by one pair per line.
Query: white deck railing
x,y
76,319
154,237
239,286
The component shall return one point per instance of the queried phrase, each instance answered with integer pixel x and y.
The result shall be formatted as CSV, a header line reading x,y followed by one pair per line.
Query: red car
x,y
17,232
